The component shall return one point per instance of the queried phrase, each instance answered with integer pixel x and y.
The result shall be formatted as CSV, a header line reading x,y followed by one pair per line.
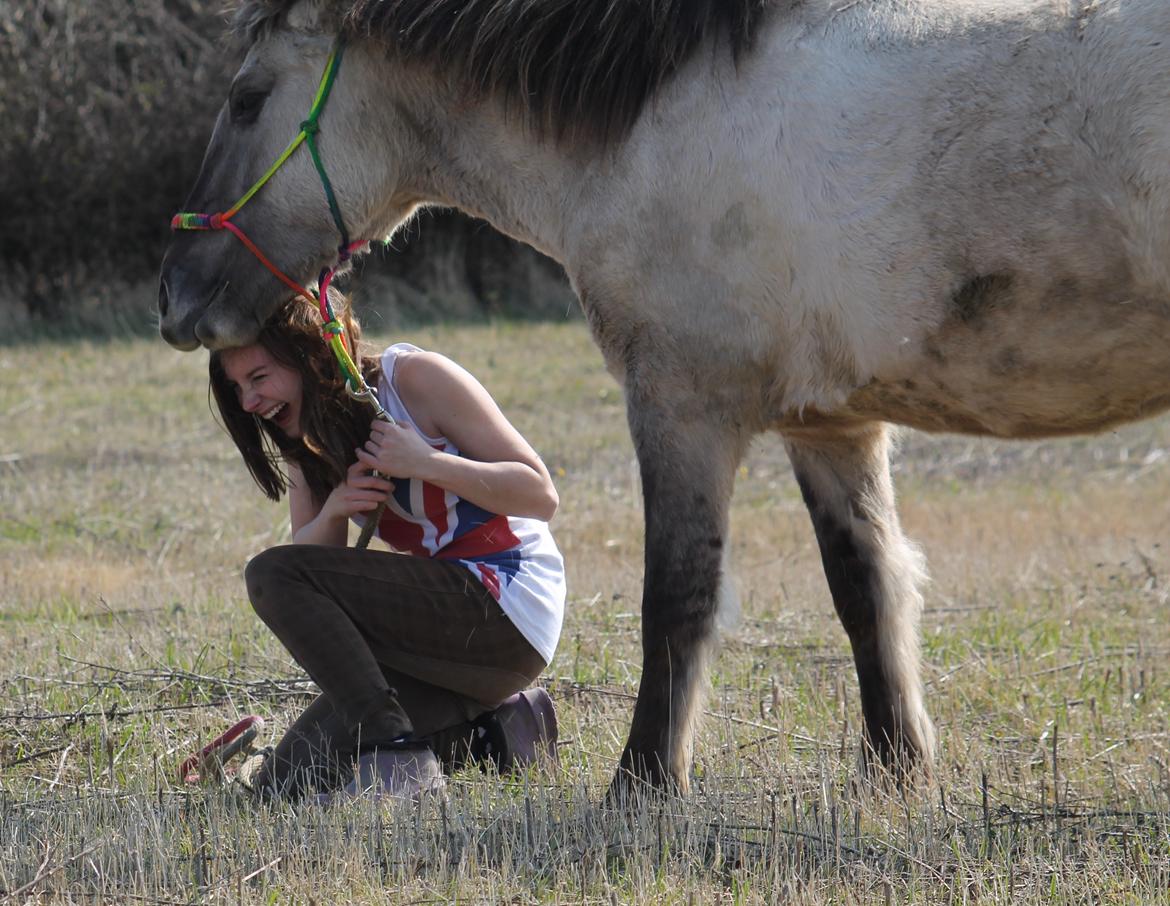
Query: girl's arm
x,y
329,523
498,469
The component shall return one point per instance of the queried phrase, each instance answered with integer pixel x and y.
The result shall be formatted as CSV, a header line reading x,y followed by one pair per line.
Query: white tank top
x,y
515,558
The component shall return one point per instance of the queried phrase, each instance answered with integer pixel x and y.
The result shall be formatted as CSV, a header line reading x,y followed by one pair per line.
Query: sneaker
x,y
403,771
519,732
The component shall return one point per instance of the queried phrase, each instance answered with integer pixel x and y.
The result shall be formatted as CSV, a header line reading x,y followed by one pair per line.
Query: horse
x,y
822,218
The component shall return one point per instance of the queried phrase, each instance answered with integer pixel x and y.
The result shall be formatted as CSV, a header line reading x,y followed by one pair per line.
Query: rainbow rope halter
x,y
332,328
355,384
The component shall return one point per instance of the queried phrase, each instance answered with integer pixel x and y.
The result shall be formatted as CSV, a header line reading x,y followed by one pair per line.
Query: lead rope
x,y
355,386
332,328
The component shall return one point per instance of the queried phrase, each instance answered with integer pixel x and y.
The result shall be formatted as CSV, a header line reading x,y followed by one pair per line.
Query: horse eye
x,y
245,106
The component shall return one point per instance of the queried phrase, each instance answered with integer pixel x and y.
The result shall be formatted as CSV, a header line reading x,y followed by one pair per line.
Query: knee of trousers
x,y
270,576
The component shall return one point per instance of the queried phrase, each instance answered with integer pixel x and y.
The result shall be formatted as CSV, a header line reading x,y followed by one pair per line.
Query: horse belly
x,y
1030,371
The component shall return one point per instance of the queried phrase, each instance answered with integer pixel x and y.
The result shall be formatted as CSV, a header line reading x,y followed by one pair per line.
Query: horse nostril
x,y
163,298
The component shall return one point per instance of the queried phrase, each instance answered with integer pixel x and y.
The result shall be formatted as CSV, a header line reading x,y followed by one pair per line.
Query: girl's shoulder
x,y
417,378
394,355
413,370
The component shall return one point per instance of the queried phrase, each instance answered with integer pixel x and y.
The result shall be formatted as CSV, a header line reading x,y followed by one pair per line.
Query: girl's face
x,y
264,387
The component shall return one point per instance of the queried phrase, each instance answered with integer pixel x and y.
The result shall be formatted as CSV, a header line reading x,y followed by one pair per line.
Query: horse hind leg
x,y
873,574
688,471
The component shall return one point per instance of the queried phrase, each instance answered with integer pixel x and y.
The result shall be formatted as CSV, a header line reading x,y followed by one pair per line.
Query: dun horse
x,y
811,217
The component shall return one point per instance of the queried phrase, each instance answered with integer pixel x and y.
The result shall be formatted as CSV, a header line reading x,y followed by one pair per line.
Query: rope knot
x,y
310,126
187,220
215,222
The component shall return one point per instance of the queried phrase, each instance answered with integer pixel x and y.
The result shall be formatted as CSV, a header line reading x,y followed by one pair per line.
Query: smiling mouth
x,y
274,412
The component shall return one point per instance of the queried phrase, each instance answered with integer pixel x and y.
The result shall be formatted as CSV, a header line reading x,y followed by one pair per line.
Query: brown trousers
x,y
398,645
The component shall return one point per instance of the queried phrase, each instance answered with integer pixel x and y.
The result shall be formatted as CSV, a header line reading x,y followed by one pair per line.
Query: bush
x,y
107,107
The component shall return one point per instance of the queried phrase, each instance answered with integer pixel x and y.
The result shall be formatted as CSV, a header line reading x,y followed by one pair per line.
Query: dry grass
x,y
125,636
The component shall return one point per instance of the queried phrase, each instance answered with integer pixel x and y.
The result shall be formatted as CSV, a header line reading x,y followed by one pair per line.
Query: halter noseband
x,y
332,328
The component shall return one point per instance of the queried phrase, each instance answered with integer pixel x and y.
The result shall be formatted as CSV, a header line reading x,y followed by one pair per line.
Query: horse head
x,y
214,290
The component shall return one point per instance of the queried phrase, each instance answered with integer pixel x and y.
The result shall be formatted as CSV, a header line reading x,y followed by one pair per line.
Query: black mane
x,y
573,67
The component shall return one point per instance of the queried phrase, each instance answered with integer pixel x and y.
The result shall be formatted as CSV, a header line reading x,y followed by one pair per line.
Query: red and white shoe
x,y
207,765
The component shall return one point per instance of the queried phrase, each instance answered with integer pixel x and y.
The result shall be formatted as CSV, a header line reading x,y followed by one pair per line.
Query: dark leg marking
x,y
871,573
852,582
687,475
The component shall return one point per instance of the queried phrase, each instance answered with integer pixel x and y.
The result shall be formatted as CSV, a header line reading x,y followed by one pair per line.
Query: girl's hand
x,y
361,493
396,450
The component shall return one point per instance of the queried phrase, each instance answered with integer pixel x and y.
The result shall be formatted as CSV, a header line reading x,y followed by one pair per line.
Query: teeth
x,y
273,412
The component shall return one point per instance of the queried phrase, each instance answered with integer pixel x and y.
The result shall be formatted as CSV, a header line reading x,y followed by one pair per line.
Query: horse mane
x,y
574,68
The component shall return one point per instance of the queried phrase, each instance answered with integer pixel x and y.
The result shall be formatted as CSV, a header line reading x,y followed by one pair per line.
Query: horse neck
x,y
487,164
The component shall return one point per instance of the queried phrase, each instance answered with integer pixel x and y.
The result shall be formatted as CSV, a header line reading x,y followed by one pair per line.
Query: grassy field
x,y
125,636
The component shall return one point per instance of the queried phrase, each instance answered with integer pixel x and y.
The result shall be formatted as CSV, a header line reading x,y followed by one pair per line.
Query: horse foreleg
x,y
873,574
688,470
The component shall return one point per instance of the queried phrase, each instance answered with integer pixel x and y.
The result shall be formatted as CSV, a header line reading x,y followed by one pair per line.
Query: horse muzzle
x,y
195,311
177,329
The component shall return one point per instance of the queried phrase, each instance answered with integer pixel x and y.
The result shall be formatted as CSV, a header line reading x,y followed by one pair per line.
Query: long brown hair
x,y
333,424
